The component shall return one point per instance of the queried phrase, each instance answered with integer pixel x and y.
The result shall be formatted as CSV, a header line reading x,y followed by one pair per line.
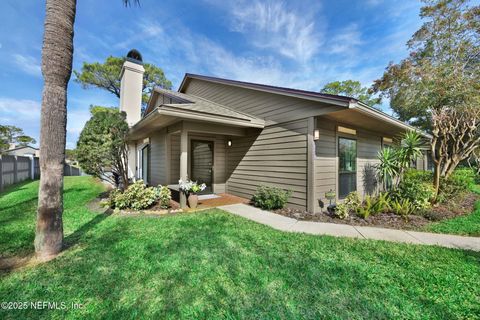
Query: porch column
x,y
311,187
183,163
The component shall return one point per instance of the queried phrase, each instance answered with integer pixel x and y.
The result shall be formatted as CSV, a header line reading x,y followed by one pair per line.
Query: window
x,y
144,165
347,167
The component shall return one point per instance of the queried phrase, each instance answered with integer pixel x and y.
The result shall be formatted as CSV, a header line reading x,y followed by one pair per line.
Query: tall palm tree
x,y
57,56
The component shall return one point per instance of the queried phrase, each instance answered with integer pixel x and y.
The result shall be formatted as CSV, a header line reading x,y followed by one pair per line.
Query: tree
x,y
12,134
57,54
106,76
354,89
102,147
71,155
440,81
456,137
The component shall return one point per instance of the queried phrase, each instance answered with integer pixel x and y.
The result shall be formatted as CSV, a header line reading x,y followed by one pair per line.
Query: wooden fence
x,y
15,169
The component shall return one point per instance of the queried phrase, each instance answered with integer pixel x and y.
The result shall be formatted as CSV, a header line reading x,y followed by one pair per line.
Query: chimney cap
x,y
135,56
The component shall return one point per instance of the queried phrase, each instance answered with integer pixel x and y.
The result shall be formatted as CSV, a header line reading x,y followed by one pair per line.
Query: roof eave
x,y
258,87
364,108
169,110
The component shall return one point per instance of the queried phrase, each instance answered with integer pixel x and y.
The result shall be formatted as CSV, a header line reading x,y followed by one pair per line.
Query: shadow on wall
x,y
370,182
238,150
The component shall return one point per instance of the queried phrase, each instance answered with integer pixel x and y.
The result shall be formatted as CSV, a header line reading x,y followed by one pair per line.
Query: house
x,y
24,151
235,136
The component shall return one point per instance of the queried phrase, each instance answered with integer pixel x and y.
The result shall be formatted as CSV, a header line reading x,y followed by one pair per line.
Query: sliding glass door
x,y
347,167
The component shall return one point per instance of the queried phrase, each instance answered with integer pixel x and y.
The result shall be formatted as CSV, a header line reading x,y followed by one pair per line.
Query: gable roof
x,y
189,107
304,94
190,103
21,147
347,102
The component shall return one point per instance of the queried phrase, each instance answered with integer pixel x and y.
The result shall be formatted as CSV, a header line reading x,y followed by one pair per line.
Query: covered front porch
x,y
208,201
176,142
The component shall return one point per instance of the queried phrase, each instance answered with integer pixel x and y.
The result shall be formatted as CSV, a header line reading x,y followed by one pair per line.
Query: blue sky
x,y
299,44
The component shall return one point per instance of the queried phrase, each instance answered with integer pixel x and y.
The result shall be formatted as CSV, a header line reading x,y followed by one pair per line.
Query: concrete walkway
x,y
283,223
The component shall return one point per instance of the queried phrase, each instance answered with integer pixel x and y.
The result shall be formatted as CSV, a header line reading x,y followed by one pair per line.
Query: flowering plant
x,y
189,186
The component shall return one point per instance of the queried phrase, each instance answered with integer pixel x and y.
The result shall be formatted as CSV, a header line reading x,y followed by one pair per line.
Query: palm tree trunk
x,y
57,54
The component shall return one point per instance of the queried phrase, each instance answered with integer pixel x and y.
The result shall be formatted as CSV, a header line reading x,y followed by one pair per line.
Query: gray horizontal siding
x,y
268,106
276,156
158,161
326,161
368,146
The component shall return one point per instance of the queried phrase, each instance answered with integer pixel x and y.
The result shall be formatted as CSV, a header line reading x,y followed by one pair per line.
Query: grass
x,y
215,265
468,225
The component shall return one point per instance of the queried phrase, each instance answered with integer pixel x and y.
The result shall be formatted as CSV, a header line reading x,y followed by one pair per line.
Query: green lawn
x,y
215,265
468,225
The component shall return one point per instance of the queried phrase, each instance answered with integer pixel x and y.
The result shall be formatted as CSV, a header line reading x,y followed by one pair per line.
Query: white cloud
x,y
28,64
23,108
273,25
22,113
25,114
148,30
196,53
76,120
346,41
284,44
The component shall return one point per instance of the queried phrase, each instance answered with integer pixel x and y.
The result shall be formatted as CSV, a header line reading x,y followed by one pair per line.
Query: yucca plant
x,y
410,149
388,168
394,161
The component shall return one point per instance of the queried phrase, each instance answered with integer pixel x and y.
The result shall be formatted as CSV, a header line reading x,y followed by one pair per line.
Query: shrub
x,y
112,197
402,207
366,209
350,203
164,195
270,198
460,181
414,188
342,211
138,196
419,175
373,205
382,203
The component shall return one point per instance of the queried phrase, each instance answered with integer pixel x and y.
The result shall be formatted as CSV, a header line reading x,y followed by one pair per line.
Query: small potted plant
x,y
191,190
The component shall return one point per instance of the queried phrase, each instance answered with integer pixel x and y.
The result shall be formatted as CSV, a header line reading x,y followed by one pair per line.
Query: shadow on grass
x,y
16,187
74,238
26,258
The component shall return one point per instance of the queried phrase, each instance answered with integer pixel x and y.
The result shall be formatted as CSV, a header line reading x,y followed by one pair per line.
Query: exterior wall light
x,y
387,140
316,134
229,143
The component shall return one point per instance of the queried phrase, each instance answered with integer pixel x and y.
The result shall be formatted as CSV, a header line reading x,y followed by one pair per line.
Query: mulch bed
x,y
462,205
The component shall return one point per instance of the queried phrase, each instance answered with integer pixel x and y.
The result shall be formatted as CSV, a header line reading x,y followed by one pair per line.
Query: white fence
x,y
15,169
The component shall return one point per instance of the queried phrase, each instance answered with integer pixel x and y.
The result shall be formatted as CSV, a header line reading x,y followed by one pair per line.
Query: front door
x,y
202,163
